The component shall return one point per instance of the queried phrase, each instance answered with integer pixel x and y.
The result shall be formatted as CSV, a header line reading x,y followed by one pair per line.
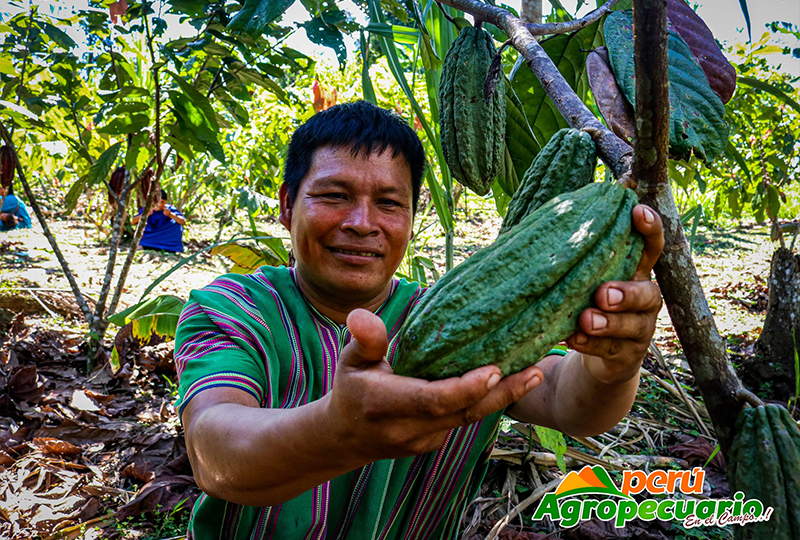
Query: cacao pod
x,y
144,184
511,302
8,165
765,465
116,184
565,164
473,130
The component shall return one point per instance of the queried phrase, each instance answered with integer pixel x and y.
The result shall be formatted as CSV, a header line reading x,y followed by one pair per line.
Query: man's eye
x,y
390,202
333,195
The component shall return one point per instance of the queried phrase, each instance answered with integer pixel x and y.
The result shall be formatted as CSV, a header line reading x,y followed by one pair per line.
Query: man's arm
x,y
179,219
262,457
592,388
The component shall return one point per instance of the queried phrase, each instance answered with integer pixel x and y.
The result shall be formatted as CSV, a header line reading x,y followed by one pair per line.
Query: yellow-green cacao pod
x,y
473,130
511,302
565,164
765,465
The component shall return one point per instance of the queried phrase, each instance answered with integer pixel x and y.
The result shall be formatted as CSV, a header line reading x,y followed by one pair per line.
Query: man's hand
x,y
387,416
615,336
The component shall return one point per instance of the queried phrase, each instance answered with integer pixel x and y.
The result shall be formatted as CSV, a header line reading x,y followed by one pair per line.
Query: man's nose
x,y
361,219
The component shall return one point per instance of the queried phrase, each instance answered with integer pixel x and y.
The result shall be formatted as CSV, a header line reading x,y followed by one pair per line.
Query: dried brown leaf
x,y
615,109
56,447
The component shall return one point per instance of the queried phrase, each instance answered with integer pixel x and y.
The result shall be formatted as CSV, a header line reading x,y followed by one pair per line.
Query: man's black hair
x,y
361,126
164,194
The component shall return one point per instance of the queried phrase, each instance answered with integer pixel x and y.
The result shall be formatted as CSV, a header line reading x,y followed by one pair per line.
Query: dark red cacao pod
x,y
116,184
8,164
144,185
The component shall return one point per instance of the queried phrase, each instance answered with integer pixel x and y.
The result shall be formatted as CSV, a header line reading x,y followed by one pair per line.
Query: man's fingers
x,y
636,325
607,348
648,223
622,296
369,343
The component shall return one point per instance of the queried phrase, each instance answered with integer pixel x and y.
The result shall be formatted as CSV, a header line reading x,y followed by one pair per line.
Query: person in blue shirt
x,y
13,214
164,229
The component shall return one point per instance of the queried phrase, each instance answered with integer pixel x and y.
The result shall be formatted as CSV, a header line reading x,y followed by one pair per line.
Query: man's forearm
x,y
571,400
263,457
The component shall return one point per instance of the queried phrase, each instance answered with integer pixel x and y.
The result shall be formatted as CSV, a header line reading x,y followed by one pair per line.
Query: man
x,y
13,214
295,424
164,229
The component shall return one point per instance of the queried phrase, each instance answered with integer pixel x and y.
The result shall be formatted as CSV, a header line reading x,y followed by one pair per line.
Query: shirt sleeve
x,y
217,346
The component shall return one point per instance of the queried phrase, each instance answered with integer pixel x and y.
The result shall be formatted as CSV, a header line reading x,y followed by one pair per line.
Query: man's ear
x,y
285,215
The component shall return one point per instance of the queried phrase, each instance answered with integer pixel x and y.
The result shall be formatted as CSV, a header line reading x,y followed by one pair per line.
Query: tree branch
x,y
675,270
570,26
87,313
615,152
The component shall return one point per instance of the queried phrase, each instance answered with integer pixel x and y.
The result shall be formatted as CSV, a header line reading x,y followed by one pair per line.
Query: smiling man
x,y
296,426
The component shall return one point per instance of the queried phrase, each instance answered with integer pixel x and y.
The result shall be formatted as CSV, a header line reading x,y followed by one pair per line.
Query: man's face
x,y
350,223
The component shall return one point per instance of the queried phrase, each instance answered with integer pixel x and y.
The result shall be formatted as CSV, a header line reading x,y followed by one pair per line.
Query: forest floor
x,y
102,456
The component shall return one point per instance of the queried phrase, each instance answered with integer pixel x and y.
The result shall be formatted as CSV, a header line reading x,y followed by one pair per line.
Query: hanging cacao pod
x,y
116,184
473,128
8,165
144,184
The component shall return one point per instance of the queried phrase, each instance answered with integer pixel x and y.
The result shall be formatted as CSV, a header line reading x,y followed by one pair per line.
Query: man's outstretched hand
x,y
390,416
614,337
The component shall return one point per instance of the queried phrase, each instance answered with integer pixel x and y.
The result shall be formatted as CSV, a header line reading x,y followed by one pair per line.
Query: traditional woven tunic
x,y
259,334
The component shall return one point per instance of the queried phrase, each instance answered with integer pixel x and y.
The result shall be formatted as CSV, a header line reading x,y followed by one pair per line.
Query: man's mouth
x,y
349,252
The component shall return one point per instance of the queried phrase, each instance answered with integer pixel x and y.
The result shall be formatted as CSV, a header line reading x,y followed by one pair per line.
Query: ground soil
x,y
111,447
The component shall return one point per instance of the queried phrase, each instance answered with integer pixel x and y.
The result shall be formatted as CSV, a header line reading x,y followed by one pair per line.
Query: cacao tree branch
x,y
87,313
25,59
615,152
137,236
675,271
570,26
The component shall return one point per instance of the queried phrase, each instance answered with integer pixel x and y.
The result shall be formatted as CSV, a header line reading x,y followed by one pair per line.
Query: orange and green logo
x,y
576,499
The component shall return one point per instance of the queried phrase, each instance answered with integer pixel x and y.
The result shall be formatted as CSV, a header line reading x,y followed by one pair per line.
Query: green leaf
x,y
399,34
59,36
746,13
568,52
246,259
732,152
366,82
122,125
100,168
255,15
770,89
328,36
697,115
554,440
159,315
773,201
71,199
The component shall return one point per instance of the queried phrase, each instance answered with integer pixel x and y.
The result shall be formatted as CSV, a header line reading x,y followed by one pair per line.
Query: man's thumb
x,y
370,341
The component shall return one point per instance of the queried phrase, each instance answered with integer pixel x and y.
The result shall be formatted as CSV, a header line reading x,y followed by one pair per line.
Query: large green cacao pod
x,y
511,302
765,465
565,164
473,131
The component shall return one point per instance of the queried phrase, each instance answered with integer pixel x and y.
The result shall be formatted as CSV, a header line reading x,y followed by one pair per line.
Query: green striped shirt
x,y
259,334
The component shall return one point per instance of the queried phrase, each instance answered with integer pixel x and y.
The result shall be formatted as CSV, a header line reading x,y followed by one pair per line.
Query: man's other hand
x,y
388,416
614,337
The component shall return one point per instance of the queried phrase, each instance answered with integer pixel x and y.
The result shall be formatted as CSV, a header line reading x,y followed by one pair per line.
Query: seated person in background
x,y
164,229
13,215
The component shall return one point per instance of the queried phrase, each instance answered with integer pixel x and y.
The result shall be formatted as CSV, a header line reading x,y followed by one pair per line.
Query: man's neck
x,y
338,311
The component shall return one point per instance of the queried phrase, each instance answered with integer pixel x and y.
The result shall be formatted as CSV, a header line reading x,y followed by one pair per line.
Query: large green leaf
x,y
255,15
159,315
124,124
100,168
71,199
246,259
697,115
568,52
521,146
327,35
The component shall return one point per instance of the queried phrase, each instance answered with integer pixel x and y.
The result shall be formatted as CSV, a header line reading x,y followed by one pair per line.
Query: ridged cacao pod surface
x,y
473,131
7,166
764,464
511,302
565,164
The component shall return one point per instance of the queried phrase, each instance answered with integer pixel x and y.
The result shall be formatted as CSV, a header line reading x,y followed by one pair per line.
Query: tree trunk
x,y
531,11
772,370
